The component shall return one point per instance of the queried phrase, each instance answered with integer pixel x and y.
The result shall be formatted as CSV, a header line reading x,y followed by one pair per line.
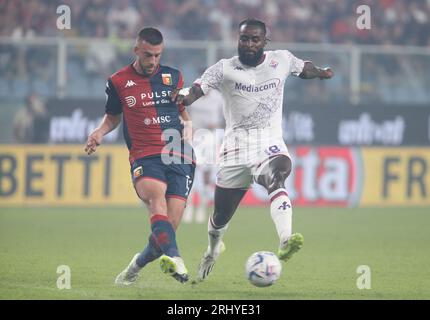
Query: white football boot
x,y
207,263
129,275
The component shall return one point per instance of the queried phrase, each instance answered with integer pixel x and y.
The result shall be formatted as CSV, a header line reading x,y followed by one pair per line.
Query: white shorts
x,y
238,169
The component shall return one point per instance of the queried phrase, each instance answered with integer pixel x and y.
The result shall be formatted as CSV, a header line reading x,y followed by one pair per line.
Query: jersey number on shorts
x,y
188,184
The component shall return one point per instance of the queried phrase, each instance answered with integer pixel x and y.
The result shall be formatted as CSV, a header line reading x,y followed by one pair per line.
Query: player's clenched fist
x,y
327,73
179,96
94,140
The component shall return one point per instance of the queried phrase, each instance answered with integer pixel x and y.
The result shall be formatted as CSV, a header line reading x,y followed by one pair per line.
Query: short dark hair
x,y
151,35
253,22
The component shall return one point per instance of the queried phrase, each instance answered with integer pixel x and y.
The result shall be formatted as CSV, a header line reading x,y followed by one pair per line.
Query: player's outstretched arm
x,y
310,71
194,93
109,123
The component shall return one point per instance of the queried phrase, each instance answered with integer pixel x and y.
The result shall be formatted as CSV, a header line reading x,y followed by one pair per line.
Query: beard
x,y
250,60
145,71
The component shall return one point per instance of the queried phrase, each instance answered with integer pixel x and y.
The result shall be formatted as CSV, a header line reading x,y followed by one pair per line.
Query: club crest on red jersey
x,y
167,79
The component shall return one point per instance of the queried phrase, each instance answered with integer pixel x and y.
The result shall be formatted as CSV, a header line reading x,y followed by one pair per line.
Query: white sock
x,y
215,236
281,212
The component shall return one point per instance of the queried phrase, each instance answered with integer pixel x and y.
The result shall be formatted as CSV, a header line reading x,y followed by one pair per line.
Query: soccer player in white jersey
x,y
252,84
206,115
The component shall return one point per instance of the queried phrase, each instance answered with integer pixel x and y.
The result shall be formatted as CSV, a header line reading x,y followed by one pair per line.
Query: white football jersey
x,y
253,95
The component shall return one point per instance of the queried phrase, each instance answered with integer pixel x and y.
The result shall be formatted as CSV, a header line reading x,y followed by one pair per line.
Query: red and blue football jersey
x,y
147,108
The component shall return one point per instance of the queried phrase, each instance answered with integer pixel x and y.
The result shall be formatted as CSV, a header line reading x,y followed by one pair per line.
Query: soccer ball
x,y
263,268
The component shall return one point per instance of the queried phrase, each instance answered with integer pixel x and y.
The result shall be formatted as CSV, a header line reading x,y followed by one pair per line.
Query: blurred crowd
x,y
26,69
403,22
31,122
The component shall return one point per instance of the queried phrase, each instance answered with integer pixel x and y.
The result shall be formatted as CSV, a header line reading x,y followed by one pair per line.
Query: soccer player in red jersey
x,y
162,166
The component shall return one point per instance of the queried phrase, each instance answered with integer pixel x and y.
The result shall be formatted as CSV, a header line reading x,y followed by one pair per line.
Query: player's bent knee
x,y
155,205
277,172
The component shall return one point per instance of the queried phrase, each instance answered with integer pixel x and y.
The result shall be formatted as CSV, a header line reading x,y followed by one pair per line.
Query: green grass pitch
x,y
97,243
